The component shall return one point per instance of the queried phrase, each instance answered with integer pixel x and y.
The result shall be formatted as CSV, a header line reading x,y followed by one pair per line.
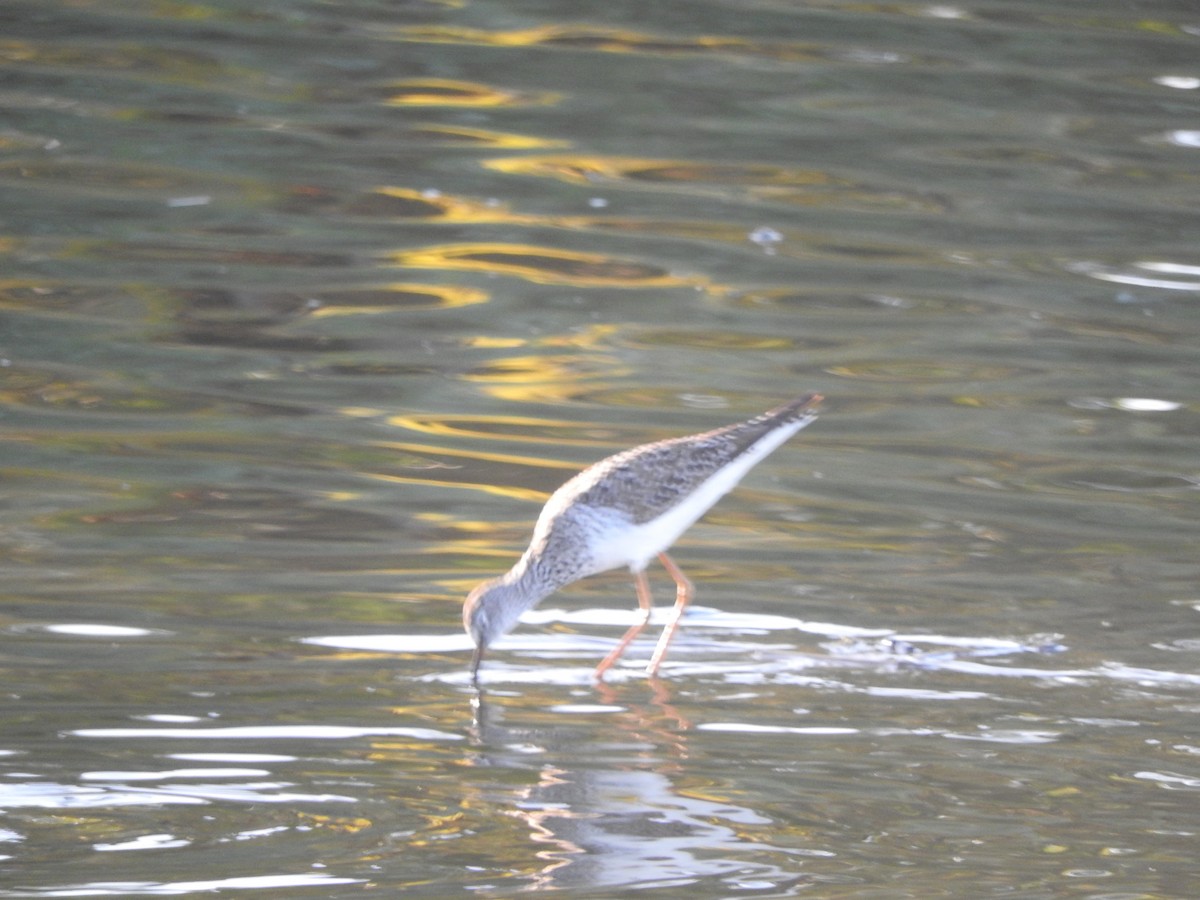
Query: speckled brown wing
x,y
646,480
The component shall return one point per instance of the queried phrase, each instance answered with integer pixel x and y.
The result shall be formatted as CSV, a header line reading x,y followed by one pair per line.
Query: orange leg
x,y
645,601
684,591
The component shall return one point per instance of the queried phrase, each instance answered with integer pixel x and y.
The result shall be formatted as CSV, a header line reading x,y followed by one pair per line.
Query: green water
x,y
305,308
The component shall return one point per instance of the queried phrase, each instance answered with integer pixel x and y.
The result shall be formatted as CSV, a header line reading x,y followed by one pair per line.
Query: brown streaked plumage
x,y
624,511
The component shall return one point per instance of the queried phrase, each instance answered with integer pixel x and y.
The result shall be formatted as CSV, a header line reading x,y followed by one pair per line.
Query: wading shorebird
x,y
624,511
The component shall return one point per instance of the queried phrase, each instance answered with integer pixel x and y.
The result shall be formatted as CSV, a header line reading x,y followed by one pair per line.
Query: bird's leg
x,y
476,661
683,596
645,601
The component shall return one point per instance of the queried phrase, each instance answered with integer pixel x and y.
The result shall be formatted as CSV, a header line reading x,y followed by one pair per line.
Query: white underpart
x,y
615,542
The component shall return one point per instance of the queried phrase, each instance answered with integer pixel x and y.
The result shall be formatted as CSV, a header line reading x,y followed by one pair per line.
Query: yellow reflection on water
x,y
498,490
578,169
605,40
359,412
489,432
491,342
533,369
393,296
523,429
546,379
499,140
450,92
439,34
542,265
590,336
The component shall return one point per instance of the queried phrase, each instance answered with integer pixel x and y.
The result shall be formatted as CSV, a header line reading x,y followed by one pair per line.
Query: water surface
x,y
306,307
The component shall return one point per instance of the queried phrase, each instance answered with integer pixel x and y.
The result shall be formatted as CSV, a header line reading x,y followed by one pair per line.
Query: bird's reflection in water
x,y
612,810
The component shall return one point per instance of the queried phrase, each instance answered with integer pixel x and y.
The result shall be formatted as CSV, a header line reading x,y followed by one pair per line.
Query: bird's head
x,y
491,611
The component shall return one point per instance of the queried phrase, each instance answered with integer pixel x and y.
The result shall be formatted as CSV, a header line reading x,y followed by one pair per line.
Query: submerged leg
x,y
683,596
645,602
